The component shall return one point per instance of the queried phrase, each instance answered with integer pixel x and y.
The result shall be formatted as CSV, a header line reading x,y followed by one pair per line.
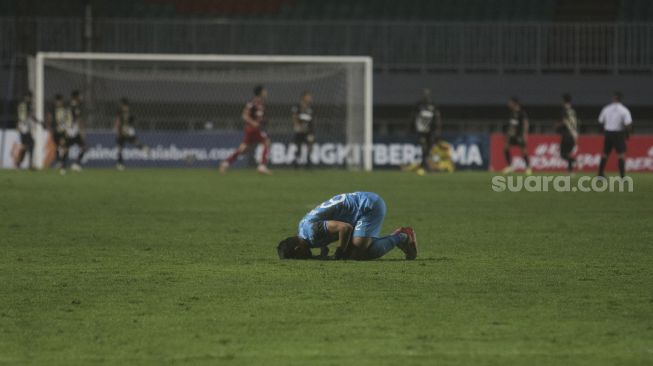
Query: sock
x,y
570,165
381,246
528,162
119,155
264,157
506,153
602,166
622,168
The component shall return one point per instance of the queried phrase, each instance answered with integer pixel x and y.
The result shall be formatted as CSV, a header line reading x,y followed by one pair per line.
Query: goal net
x,y
187,108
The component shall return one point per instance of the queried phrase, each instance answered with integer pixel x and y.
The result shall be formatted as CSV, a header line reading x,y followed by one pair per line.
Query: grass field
x,y
179,266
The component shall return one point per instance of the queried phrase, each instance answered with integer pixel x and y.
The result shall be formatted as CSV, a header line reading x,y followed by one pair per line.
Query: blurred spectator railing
x,y
395,46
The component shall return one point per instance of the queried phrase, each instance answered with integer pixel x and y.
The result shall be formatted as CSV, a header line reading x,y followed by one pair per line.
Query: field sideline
x,y
179,266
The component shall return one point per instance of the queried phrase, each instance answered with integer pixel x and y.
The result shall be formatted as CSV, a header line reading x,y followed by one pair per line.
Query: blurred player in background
x,y
56,120
428,122
254,117
617,124
25,126
567,127
354,220
74,131
125,131
516,134
302,118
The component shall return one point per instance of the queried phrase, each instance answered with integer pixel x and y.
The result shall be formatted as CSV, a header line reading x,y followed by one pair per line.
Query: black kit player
x,y
428,125
617,124
567,127
516,134
25,126
125,131
56,125
74,131
303,120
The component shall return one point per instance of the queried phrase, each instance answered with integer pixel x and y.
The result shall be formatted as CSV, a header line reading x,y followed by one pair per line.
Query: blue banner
x,y
207,149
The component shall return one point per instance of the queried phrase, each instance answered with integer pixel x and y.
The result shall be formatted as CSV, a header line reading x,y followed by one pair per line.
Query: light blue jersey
x,y
365,211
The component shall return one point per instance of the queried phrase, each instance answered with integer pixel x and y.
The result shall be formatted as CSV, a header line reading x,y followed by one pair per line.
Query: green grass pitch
x,y
179,267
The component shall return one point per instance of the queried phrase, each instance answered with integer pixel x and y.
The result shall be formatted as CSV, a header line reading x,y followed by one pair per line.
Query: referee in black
x,y
617,124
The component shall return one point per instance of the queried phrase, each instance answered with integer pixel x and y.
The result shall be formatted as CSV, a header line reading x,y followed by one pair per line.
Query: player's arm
x,y
628,123
525,132
343,230
248,119
295,120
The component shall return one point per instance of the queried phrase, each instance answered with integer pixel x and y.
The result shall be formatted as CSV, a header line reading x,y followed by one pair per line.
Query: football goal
x,y
187,108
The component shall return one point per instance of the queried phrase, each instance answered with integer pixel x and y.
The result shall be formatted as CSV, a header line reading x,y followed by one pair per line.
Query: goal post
x,y
178,97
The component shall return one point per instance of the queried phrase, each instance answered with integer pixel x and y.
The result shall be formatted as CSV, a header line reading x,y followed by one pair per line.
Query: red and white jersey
x,y
256,111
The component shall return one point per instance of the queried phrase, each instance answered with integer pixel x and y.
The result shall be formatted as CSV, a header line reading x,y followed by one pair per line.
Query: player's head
x,y
260,92
28,95
513,103
307,98
566,99
293,248
58,99
426,95
617,96
76,95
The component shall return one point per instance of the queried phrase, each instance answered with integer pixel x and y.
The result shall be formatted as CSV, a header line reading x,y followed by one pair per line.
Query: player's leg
x,y
81,143
366,243
424,143
309,152
262,167
298,141
61,147
620,147
64,154
21,154
55,142
507,156
234,155
524,154
607,148
29,149
120,144
566,147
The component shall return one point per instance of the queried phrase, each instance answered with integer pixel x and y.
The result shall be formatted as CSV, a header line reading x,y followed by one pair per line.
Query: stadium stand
x,y
636,11
412,41
378,10
587,10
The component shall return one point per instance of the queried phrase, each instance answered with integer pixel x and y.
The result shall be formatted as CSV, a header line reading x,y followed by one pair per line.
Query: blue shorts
x,y
370,222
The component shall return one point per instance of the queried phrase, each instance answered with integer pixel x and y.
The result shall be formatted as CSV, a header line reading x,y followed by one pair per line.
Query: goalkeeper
x,y
438,160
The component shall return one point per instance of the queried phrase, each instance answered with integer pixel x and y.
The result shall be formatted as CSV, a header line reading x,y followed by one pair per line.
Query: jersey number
x,y
334,201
